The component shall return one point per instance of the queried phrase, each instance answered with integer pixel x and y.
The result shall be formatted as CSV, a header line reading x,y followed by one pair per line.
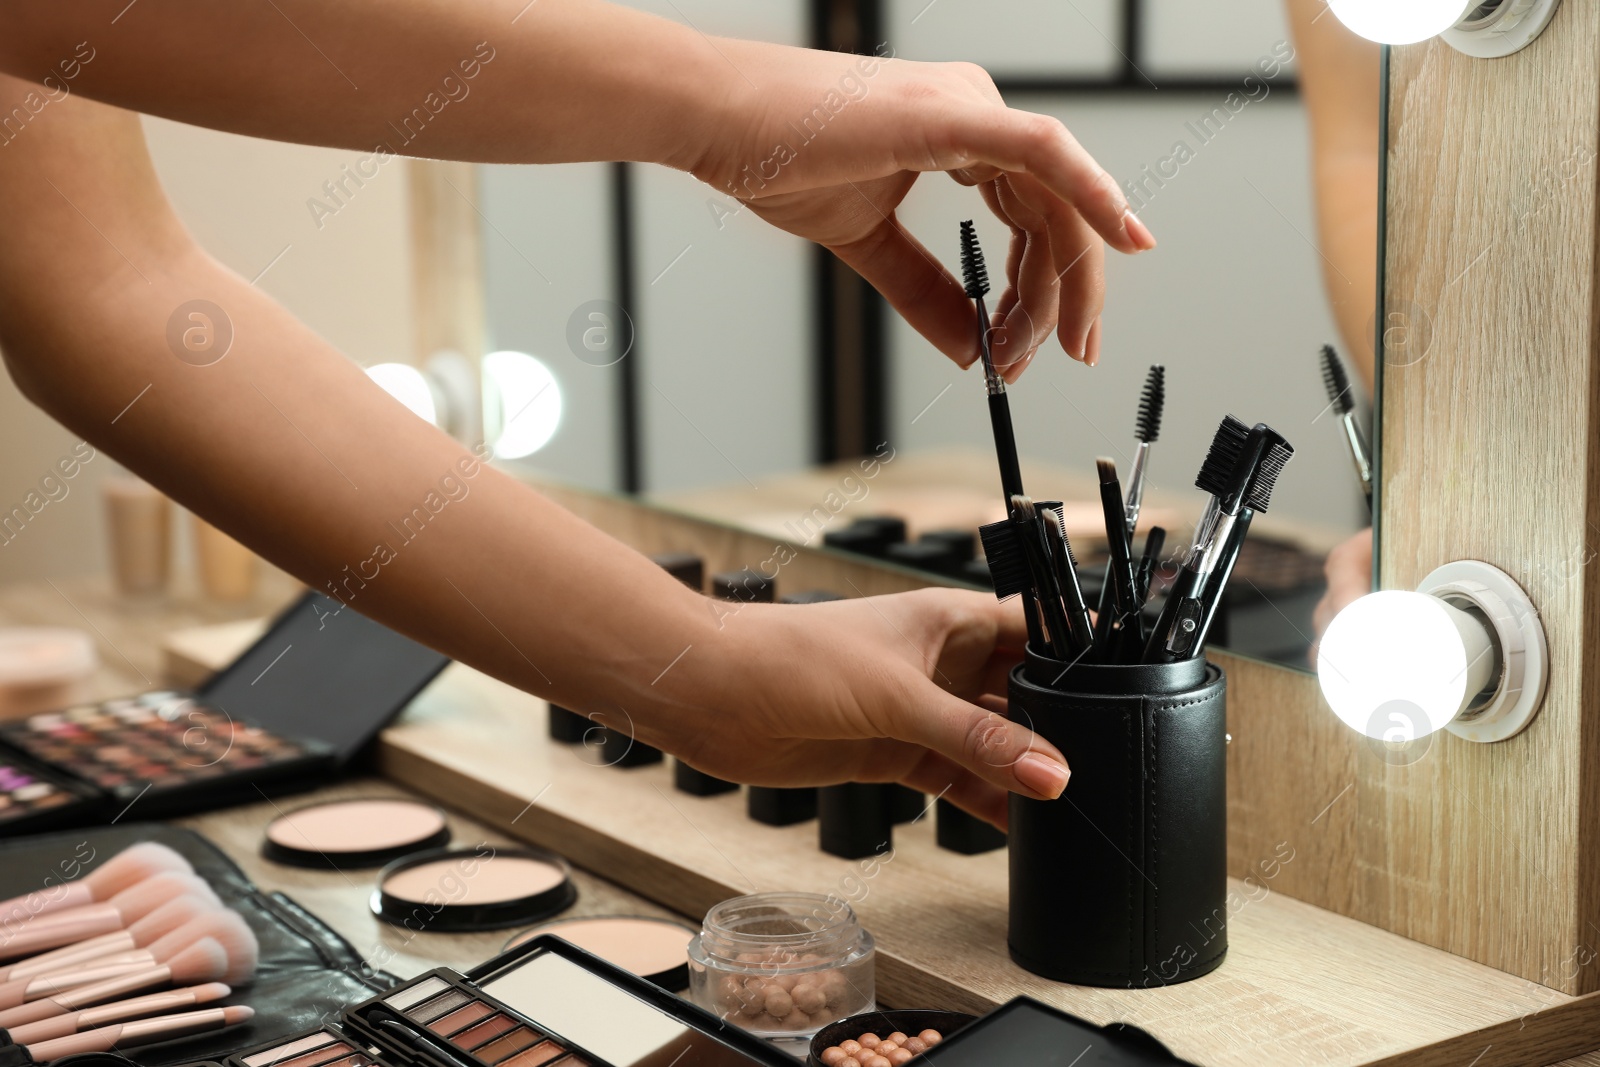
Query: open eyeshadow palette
x,y
302,701
545,1002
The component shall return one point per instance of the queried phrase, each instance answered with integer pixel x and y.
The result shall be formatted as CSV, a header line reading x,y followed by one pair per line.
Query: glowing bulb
x,y
1397,665
409,386
1400,21
530,402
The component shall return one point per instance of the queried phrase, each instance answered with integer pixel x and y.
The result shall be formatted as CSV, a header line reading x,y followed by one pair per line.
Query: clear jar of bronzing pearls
x,y
782,965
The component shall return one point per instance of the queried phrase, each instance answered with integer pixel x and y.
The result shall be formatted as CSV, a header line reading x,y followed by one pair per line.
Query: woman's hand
x,y
1349,571
907,688
826,145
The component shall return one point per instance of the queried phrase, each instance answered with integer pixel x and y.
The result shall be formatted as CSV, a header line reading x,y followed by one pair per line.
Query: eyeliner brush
x,y
1152,402
1114,624
1342,400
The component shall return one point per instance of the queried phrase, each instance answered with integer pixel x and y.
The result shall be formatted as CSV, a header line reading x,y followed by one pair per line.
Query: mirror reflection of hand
x,y
907,688
1349,571
841,188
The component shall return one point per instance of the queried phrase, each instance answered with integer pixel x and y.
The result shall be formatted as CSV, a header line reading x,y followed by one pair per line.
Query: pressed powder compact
x,y
656,950
458,890
345,834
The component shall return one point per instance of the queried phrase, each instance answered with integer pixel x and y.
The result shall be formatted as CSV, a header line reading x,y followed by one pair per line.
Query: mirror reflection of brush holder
x,y
1122,881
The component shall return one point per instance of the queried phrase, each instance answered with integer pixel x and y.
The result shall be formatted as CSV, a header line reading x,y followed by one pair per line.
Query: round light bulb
x,y
1400,21
530,402
1398,665
408,385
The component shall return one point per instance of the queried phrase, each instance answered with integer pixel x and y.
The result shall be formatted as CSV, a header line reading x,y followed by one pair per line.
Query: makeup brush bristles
x,y
1003,551
975,275
1226,448
1152,403
1337,382
1107,469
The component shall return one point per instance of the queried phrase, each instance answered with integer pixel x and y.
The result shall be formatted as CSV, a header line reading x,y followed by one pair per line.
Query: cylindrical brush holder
x,y
1122,881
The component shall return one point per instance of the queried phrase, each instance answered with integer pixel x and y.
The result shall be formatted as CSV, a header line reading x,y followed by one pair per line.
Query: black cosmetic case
x,y
1122,881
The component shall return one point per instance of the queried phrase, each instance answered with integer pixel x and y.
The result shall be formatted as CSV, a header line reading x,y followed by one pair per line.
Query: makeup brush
x,y
137,1007
1154,542
1111,635
70,925
203,961
227,928
127,868
1240,470
140,1032
1042,578
165,919
1342,399
1081,626
1147,428
975,277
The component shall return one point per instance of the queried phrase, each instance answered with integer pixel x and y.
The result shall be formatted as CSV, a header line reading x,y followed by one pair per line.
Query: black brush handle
x,y
1119,576
1154,542
1183,602
1005,446
1217,583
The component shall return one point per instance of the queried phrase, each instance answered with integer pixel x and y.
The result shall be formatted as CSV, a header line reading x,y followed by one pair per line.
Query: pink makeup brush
x,y
164,920
224,927
128,867
203,961
71,925
141,1032
122,1010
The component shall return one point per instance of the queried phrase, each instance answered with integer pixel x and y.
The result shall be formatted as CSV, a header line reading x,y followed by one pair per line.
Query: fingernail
x,y
1138,232
1043,777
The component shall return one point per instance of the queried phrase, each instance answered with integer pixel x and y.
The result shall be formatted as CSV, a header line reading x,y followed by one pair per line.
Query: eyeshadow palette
x,y
548,1002
302,701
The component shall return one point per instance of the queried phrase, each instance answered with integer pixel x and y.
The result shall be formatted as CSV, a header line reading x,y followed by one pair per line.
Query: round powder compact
x,y
344,834
654,949
482,888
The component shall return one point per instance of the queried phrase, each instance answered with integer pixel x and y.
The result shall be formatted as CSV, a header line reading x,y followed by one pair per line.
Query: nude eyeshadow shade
x,y
482,888
360,832
654,949
472,1026
320,1048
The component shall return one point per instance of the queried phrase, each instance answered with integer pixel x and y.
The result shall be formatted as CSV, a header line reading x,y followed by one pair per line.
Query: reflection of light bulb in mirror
x,y
530,402
1400,21
1397,666
408,385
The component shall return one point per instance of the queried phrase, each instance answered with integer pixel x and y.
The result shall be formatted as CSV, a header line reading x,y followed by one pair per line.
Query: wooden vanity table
x,y
1301,984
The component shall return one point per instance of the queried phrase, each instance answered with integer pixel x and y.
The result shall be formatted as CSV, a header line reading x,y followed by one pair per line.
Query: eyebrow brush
x,y
1342,400
1239,472
1152,403
1025,519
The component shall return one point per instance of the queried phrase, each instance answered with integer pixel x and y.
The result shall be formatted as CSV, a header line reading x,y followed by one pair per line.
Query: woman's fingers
x,y
993,749
1041,146
1077,263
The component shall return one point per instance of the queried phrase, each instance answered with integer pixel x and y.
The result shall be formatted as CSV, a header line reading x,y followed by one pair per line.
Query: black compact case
x,y
1122,881
302,702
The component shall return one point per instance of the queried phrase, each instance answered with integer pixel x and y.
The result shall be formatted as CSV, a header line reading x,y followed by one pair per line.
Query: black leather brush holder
x,y
1122,881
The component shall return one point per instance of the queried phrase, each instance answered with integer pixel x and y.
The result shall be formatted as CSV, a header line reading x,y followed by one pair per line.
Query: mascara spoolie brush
x,y
975,277
1342,400
1147,428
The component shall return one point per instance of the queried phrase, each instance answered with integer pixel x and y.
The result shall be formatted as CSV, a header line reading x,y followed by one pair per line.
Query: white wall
x,y
245,200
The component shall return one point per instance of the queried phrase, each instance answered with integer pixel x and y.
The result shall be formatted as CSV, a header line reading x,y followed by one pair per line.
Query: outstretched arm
x,y
823,144
289,447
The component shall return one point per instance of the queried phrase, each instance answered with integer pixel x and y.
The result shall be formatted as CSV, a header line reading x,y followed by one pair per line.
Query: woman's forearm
x,y
287,445
510,81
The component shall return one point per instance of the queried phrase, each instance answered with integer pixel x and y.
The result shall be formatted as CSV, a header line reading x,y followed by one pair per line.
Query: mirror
x,y
723,368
